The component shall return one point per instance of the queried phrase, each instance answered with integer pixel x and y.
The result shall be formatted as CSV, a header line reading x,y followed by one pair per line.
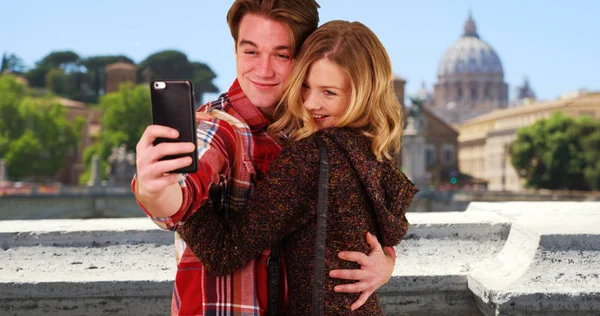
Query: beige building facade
x,y
118,73
75,166
484,141
441,142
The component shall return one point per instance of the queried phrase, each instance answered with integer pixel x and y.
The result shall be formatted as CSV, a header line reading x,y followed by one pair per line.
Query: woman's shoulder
x,y
304,149
343,135
339,137
346,138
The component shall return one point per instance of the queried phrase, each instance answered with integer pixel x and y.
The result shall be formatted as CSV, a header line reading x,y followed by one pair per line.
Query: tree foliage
x,y
68,61
86,77
57,81
559,153
35,136
127,113
172,64
12,63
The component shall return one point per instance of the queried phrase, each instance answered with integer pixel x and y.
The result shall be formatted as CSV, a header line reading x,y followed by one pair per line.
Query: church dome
x,y
470,55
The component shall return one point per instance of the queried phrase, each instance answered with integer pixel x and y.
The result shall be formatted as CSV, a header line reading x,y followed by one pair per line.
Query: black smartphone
x,y
173,106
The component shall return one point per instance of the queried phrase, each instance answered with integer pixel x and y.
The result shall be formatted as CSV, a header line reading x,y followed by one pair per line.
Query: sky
x,y
553,43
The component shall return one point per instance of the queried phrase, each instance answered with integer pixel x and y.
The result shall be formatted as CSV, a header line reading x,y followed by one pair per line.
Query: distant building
x,y
470,79
441,143
399,89
74,166
524,94
484,140
441,150
118,73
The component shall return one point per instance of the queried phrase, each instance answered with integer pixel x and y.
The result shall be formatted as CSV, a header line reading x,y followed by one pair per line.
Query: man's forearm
x,y
164,205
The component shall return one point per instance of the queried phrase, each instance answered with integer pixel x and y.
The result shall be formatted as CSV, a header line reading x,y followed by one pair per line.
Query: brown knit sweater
x,y
364,195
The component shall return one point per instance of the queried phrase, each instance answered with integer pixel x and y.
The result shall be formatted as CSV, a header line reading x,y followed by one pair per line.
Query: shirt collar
x,y
248,111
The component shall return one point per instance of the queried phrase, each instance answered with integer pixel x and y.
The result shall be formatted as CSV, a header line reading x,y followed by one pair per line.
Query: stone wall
x,y
107,203
103,205
512,258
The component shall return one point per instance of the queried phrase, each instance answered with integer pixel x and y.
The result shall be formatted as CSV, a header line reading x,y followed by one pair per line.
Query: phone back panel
x,y
173,106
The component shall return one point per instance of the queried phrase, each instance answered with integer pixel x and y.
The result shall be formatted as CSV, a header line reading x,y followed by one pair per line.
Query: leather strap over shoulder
x,y
317,295
274,275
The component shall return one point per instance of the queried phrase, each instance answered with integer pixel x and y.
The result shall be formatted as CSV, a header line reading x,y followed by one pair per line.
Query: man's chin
x,y
264,102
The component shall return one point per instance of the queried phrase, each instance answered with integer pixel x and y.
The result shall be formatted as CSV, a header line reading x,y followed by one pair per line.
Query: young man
x,y
267,34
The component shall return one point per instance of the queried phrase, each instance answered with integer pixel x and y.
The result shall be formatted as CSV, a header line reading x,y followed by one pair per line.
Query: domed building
x,y
470,79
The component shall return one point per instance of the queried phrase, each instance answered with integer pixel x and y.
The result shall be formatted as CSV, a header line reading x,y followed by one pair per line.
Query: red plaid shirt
x,y
238,155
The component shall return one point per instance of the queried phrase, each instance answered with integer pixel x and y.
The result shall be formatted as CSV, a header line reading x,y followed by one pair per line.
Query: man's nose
x,y
265,67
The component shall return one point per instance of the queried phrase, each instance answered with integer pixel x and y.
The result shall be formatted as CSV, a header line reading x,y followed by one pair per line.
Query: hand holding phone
x,y
173,106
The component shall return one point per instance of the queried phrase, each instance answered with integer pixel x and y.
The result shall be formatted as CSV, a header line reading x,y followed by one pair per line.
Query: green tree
x,y
558,153
172,64
11,94
35,136
202,78
57,81
68,61
168,64
23,154
126,114
12,63
36,76
590,145
58,137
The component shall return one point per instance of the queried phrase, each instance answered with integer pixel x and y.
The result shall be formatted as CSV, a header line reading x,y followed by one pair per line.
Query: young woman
x,y
341,92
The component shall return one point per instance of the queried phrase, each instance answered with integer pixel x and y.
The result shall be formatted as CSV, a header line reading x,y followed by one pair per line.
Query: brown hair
x,y
301,17
373,108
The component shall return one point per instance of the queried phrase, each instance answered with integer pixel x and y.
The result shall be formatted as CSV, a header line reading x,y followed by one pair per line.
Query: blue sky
x,y
554,43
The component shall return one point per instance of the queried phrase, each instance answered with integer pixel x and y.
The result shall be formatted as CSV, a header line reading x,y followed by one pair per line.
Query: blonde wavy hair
x,y
373,108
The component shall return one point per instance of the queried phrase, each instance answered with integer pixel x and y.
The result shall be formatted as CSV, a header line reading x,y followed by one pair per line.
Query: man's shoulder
x,y
222,104
226,118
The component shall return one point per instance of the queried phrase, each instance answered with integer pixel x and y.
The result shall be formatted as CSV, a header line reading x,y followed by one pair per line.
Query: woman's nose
x,y
311,102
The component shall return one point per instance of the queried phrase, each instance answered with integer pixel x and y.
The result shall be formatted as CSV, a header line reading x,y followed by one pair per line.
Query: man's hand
x,y
375,270
152,179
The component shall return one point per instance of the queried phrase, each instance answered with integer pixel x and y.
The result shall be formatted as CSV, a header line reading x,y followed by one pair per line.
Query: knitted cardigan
x,y
364,195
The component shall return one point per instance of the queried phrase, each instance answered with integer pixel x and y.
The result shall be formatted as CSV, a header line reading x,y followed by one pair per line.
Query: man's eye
x,y
250,52
282,56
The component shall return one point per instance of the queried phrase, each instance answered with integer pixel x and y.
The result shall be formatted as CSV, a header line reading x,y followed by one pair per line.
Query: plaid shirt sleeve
x,y
216,152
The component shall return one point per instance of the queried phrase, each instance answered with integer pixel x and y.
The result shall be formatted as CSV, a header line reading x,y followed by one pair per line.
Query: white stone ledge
x,y
513,258
430,276
85,267
86,288
550,263
81,232
85,306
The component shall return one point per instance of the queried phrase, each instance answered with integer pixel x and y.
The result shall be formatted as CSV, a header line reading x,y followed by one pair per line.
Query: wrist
x,y
390,252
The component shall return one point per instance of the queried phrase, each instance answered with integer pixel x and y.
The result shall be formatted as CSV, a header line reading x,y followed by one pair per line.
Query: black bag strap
x,y
317,295
274,275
